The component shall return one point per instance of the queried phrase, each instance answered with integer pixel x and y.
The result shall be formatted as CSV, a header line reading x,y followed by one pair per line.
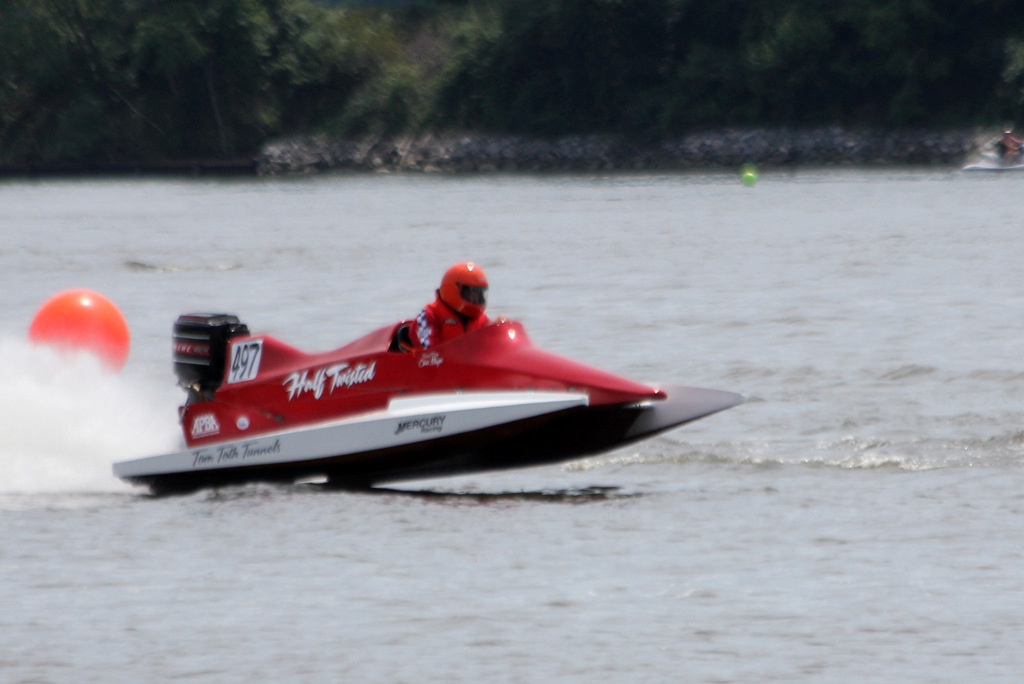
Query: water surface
x,y
858,519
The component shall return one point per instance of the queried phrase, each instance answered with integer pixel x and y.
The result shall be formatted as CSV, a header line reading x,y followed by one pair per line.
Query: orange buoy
x,y
83,320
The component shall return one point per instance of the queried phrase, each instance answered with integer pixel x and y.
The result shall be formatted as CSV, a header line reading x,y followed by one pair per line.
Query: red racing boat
x,y
376,411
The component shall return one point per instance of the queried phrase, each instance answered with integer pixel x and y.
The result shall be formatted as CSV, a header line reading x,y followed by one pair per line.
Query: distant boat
x,y
990,158
990,161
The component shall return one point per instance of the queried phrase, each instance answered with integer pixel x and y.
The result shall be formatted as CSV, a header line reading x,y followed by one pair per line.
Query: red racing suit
x,y
438,323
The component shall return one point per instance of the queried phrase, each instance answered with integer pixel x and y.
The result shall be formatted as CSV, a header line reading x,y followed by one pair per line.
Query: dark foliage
x,y
110,80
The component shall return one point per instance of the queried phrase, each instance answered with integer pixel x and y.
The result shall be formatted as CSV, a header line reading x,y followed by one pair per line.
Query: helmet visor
x,y
474,294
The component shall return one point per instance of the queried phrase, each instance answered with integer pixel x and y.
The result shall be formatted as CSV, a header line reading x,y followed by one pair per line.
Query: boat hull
x,y
429,436
994,162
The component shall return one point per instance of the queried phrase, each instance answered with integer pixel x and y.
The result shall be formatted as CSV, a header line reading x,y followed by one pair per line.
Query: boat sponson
x,y
539,440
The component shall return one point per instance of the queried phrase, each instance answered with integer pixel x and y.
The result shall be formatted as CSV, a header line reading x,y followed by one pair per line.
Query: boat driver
x,y
1010,144
457,309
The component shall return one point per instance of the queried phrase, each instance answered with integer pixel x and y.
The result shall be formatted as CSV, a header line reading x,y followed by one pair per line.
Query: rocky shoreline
x,y
469,153
719,149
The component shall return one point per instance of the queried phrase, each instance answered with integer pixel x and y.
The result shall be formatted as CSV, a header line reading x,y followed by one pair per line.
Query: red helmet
x,y
464,288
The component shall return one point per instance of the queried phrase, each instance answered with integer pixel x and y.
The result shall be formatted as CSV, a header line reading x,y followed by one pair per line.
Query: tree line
x,y
126,80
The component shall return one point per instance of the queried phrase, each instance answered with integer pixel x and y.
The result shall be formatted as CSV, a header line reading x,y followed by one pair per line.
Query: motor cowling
x,y
200,343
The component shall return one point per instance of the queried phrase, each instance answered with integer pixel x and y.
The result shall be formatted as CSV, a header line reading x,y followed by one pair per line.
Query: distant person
x,y
1009,145
457,309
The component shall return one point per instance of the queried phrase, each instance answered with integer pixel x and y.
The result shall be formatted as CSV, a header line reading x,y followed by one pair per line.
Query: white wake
x,y
66,420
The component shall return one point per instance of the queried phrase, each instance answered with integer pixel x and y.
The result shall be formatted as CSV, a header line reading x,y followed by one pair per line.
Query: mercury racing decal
x,y
424,425
340,375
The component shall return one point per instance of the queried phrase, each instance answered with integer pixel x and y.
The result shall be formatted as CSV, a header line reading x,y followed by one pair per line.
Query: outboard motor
x,y
200,342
